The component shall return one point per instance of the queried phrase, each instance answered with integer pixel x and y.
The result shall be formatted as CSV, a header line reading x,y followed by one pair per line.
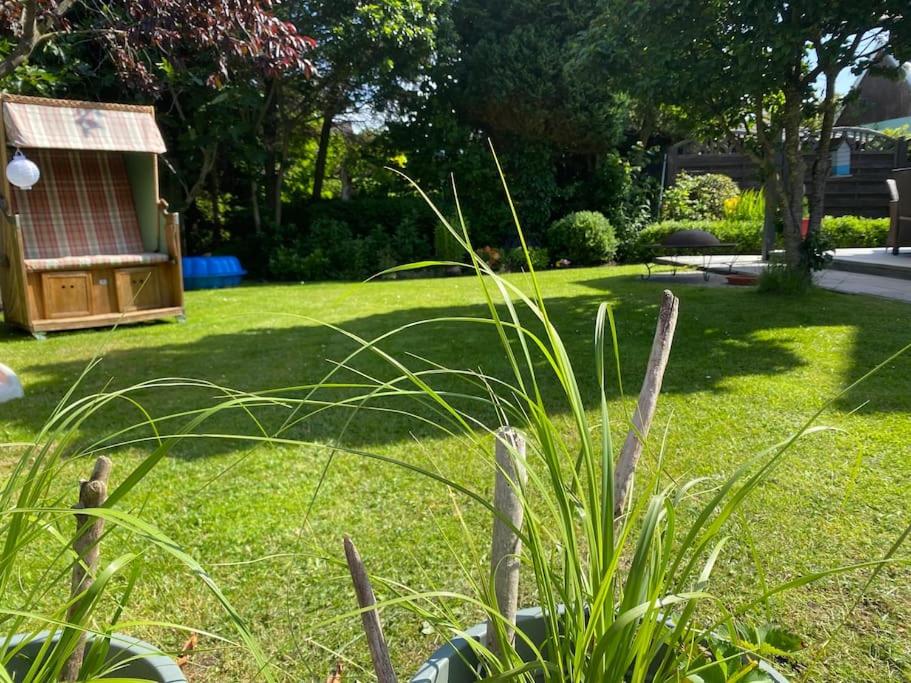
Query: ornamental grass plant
x,y
43,619
624,583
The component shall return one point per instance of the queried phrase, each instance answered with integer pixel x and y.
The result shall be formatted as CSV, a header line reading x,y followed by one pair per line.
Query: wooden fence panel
x,y
863,193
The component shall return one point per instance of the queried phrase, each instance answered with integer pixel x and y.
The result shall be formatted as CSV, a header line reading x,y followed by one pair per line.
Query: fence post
x,y
901,152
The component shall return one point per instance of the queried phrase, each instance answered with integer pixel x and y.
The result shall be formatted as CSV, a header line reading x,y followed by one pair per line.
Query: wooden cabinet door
x,y
66,294
138,288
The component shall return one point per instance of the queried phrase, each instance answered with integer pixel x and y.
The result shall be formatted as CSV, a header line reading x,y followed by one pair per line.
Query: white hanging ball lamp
x,y
22,172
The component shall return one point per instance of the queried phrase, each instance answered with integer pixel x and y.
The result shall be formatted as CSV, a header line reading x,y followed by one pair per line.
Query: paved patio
x,y
879,261
875,272
863,283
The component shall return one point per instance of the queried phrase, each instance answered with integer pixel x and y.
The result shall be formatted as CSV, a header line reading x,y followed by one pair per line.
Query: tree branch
x,y
209,154
648,400
27,42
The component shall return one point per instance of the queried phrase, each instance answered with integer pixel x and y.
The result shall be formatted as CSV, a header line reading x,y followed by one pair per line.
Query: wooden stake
x,y
648,400
379,652
506,545
92,494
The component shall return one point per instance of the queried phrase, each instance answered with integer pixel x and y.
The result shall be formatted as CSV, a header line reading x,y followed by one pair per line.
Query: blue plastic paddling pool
x,y
211,272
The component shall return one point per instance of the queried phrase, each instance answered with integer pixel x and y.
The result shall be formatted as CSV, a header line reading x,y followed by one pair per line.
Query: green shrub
x,y
445,245
623,189
294,262
584,237
363,214
515,258
698,197
855,231
837,233
332,252
816,251
410,242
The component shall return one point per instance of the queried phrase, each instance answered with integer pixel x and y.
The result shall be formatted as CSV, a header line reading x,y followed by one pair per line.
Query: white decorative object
x,y
10,387
22,172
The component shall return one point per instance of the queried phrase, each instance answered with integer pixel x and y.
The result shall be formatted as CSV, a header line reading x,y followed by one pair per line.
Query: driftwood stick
x,y
648,400
506,546
379,652
92,494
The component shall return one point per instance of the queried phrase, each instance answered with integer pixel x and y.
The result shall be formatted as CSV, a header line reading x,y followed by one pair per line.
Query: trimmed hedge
x,y
747,235
842,231
855,231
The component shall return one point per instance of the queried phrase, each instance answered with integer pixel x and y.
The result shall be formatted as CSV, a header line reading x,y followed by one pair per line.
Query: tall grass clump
x,y
625,584
43,620
749,205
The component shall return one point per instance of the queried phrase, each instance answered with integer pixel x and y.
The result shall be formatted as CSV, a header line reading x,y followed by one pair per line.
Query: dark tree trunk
x,y
282,159
822,161
272,140
791,199
770,189
769,162
322,154
277,192
345,177
254,204
214,193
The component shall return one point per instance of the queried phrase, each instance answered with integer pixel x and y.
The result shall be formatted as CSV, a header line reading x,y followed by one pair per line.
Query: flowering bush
x,y
699,197
491,255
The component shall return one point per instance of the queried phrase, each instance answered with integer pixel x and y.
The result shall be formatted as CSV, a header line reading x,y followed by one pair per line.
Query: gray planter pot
x,y
453,663
142,660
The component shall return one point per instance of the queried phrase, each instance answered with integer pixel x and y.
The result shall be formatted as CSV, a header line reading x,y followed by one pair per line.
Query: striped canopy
x,y
58,124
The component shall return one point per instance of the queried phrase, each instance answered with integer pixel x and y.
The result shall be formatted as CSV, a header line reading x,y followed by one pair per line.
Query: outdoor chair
x,y
91,243
899,209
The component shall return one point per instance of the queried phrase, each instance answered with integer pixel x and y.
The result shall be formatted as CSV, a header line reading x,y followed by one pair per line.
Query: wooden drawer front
x,y
66,294
138,288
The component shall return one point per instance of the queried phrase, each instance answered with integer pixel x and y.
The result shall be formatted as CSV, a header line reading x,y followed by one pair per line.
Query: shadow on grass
x,y
716,340
713,326
724,337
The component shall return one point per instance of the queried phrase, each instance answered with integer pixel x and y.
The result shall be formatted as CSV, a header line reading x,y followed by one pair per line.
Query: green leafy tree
x,y
767,68
366,54
515,74
502,71
208,66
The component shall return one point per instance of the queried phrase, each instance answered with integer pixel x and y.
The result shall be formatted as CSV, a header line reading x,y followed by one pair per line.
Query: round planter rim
x,y
431,667
153,656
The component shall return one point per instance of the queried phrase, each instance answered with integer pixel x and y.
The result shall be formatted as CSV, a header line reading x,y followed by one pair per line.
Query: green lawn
x,y
745,371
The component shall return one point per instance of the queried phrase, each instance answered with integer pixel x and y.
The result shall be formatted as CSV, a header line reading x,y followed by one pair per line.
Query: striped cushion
x,y
73,262
81,206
